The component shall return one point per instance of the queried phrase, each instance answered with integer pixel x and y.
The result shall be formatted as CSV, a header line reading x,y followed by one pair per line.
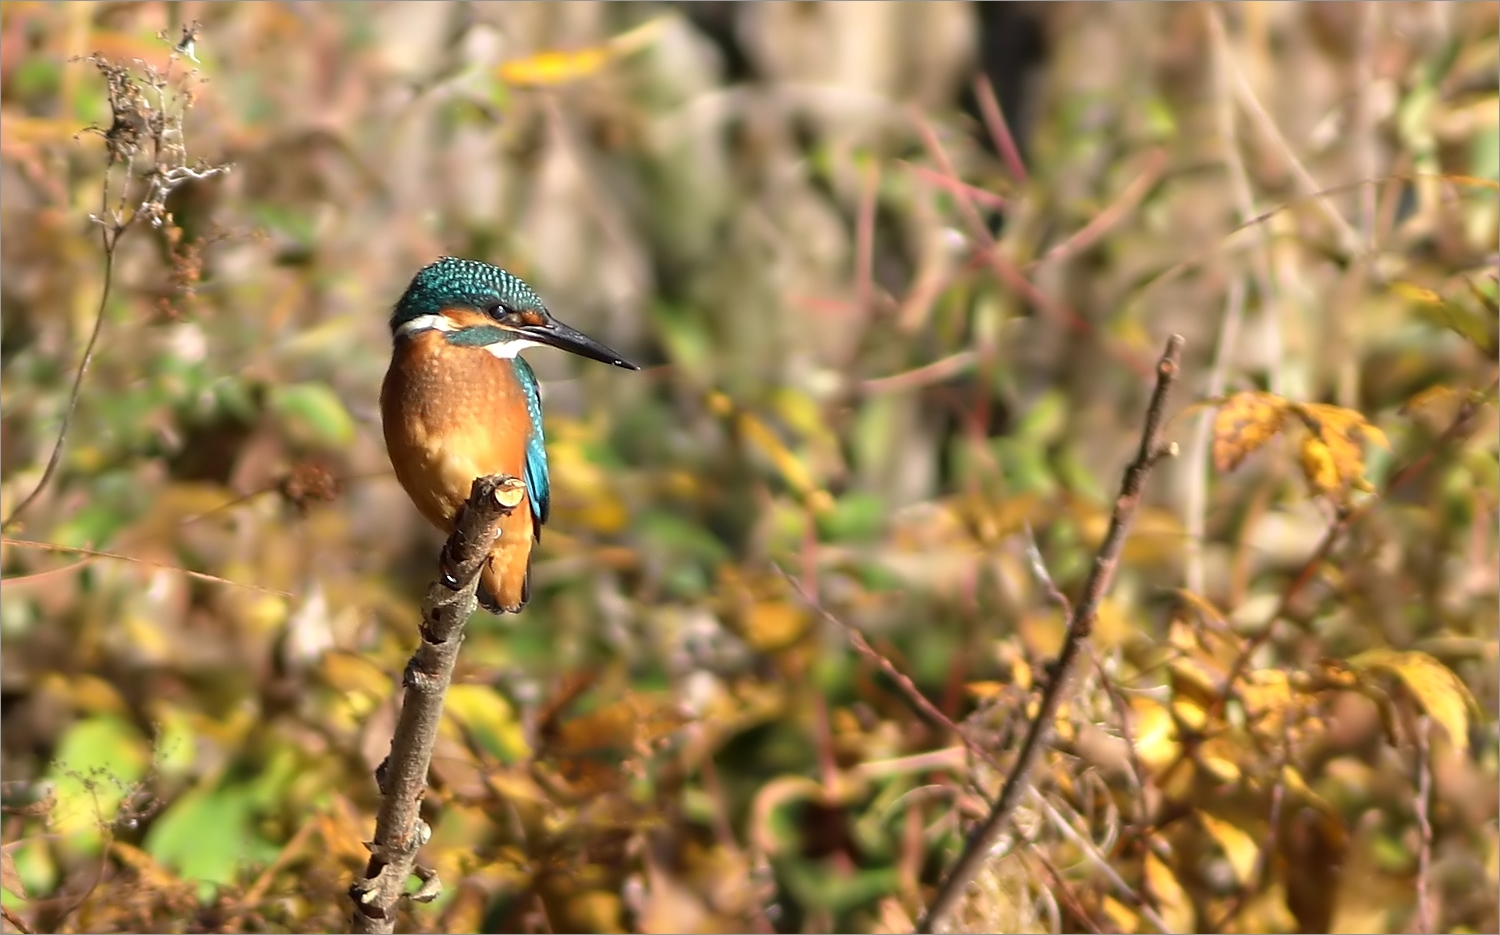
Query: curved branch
x,y
402,776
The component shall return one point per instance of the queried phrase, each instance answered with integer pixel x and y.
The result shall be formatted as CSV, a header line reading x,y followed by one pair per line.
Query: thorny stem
x,y
402,777
981,840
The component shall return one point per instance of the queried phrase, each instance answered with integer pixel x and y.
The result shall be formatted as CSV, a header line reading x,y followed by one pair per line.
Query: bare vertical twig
x,y
1425,922
1080,625
1349,241
1244,199
1195,497
402,777
136,123
994,122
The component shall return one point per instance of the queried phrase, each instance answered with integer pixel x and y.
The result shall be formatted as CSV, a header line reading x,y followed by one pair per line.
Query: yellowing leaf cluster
x,y
1331,451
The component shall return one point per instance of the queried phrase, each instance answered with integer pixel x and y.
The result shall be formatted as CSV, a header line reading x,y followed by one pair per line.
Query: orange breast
x,y
451,414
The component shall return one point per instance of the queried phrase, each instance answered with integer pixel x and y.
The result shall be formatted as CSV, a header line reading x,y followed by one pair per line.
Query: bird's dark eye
x,y
498,311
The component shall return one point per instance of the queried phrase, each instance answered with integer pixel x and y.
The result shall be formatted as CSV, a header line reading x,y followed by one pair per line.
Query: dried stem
x,y
1196,462
135,121
1080,625
83,369
402,777
908,688
1425,922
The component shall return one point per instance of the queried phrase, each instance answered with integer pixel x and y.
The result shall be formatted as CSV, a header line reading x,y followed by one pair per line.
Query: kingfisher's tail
x,y
505,581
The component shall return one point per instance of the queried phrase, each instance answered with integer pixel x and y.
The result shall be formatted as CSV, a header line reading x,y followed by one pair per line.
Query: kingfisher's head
x,y
476,304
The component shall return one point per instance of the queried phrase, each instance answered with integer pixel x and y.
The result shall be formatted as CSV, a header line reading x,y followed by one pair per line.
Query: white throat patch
x,y
507,350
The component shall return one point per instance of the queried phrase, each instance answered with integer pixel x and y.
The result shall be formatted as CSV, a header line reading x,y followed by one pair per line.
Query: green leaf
x,y
98,762
312,413
209,836
855,517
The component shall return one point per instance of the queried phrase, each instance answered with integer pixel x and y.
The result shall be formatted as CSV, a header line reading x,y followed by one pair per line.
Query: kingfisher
x,y
459,402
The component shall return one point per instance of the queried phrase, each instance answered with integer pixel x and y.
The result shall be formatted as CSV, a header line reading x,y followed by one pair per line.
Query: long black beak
x,y
556,334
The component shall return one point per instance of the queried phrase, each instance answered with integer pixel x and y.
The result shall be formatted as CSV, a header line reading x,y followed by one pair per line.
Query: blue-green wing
x,y
538,486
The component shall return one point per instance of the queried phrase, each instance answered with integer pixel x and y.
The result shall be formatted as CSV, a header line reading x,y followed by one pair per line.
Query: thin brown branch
x,y
1423,805
1196,464
402,777
994,122
1113,213
908,687
83,368
115,556
1100,863
980,841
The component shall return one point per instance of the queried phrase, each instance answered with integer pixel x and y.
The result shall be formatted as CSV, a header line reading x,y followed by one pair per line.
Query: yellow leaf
x,y
1155,733
1240,849
774,625
1438,690
982,691
551,68
1244,423
1204,606
482,710
1412,292
1331,461
1440,402
1124,918
1172,901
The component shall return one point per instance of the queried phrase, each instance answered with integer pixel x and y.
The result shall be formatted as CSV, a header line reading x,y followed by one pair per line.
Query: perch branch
x,y
402,777
982,839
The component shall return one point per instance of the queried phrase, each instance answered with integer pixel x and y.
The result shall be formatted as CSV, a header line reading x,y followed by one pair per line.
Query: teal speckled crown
x,y
452,282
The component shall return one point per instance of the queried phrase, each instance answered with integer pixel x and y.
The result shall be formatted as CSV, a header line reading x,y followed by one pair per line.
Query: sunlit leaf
x,y
1173,903
95,767
1239,847
1244,423
488,717
1332,455
553,67
1440,692
313,414
177,838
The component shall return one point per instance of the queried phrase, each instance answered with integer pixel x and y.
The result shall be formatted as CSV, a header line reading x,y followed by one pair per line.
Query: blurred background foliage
x,y
884,341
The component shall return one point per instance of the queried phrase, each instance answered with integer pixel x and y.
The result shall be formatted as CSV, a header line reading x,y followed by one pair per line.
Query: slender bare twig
x,y
1080,625
994,121
908,687
1195,498
1349,241
1425,922
91,554
1244,199
1099,862
134,121
1116,211
402,777
83,368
